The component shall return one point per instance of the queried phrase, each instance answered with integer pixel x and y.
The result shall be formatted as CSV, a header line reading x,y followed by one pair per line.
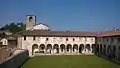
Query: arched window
x,y
81,47
69,47
35,49
31,19
75,47
62,47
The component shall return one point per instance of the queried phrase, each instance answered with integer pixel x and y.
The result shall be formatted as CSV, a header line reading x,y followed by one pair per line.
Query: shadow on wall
x,y
107,58
15,61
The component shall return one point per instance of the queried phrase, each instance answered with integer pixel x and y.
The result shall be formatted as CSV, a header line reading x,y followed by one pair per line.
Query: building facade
x,y
40,39
108,44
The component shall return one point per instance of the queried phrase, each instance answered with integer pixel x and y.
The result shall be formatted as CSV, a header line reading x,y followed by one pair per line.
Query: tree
x,y
2,35
20,27
14,27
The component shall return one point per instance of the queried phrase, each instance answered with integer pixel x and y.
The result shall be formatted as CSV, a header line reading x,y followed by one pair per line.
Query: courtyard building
x,y
39,39
108,44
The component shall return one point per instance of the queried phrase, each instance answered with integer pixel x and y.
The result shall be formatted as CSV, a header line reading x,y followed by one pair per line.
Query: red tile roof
x,y
71,33
110,33
57,33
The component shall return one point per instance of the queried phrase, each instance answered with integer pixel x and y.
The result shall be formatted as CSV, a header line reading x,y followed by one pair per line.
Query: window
x,y
24,37
46,39
34,38
66,39
73,39
5,42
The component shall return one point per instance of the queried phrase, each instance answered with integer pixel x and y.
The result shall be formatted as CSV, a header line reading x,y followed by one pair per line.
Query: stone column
x,y
78,49
71,50
117,52
65,49
59,49
45,49
52,50
90,48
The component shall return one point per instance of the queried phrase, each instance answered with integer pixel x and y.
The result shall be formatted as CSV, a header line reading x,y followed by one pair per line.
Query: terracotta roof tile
x,y
110,33
71,33
58,33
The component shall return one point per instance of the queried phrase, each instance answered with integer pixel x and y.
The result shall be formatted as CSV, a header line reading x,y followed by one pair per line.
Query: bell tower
x,y
30,21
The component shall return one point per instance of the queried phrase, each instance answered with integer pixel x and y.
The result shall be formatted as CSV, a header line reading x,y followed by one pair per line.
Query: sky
x,y
77,15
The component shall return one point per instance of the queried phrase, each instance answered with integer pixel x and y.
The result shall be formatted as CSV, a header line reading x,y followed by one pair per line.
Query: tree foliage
x,y
14,27
2,35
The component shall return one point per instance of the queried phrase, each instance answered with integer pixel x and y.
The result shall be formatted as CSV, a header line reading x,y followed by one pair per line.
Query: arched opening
x,y
97,48
104,50
30,19
42,48
93,48
118,52
81,48
35,49
69,48
75,48
62,48
87,48
109,51
114,51
56,48
49,48
100,48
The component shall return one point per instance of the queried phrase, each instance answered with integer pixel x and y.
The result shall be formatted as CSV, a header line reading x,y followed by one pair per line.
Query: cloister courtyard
x,y
69,61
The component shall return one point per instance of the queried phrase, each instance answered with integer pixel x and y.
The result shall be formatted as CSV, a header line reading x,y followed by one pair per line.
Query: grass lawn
x,y
62,61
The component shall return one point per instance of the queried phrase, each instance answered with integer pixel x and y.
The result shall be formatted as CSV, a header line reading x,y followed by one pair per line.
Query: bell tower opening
x,y
30,21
